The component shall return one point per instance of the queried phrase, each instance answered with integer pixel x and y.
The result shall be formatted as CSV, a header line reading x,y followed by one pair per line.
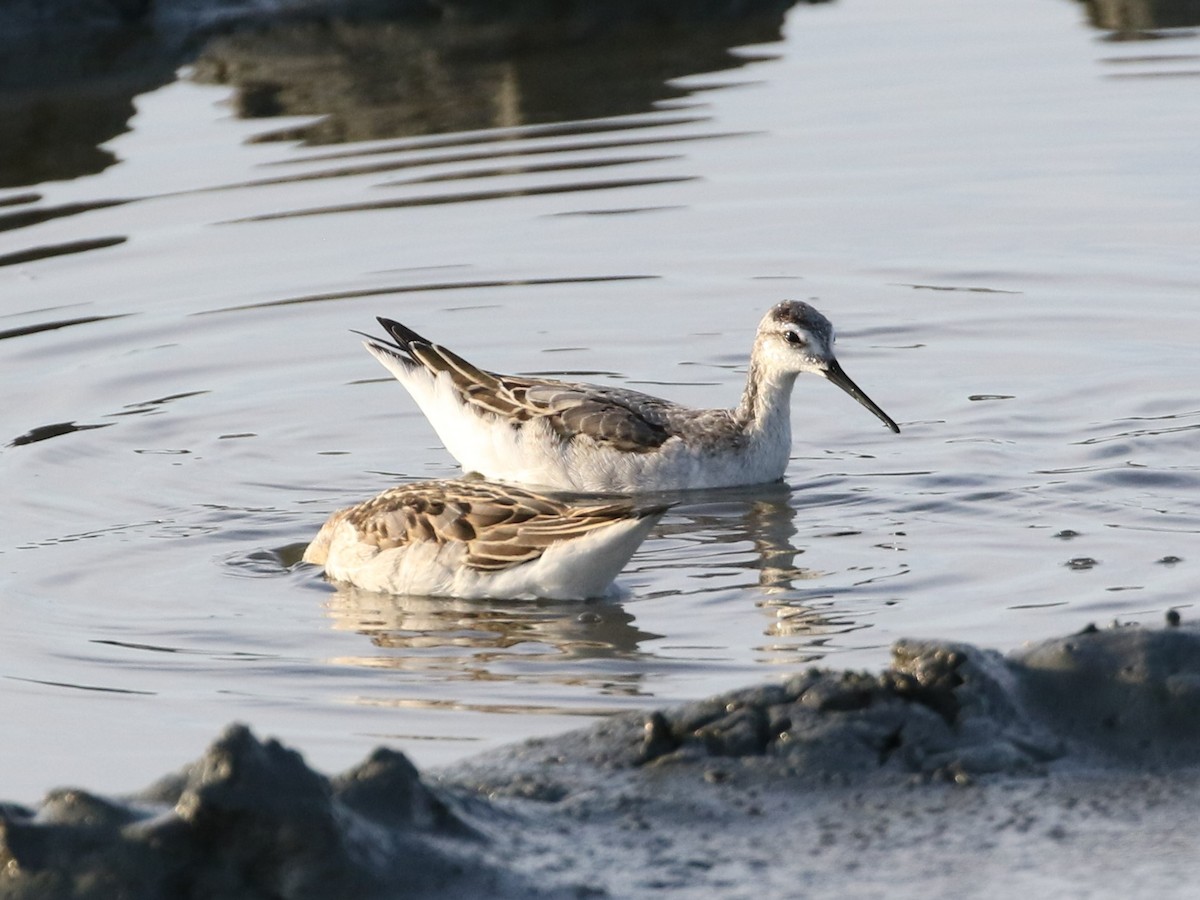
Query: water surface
x,y
996,205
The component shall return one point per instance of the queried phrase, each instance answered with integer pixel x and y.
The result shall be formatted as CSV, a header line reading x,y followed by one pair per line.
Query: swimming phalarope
x,y
588,437
472,538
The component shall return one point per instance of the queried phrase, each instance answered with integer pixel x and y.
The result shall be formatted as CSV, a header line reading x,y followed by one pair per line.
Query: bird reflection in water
x,y
758,515
721,546
488,630
764,518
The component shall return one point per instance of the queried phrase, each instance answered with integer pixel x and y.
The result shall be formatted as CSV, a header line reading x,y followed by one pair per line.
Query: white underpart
x,y
530,453
573,569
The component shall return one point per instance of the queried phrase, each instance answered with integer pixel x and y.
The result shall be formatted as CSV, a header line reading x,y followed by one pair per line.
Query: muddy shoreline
x,y
1068,768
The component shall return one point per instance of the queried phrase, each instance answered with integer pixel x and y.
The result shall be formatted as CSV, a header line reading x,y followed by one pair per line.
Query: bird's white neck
x,y
765,410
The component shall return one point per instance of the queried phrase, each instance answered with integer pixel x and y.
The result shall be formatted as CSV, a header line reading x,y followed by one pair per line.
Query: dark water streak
x,y
69,71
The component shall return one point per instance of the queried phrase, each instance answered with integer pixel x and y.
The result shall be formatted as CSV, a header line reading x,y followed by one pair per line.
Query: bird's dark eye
x,y
792,338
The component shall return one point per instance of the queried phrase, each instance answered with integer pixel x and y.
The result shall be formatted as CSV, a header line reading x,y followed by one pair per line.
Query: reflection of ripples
x,y
45,432
59,429
535,629
744,528
1149,426
748,538
377,80
1127,19
384,290
67,85
535,115
802,620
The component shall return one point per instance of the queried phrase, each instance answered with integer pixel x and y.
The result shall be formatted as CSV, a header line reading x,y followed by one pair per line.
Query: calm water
x,y
997,205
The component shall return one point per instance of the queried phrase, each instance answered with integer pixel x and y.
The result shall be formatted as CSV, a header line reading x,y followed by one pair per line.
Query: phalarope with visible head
x,y
472,539
588,437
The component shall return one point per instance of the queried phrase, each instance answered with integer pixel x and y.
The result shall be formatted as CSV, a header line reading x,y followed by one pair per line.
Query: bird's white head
x,y
793,337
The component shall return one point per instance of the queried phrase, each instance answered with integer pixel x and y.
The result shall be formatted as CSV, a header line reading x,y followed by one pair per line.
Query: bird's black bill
x,y
835,374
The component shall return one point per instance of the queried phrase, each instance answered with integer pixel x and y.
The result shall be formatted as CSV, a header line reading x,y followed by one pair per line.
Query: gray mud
x,y
1066,769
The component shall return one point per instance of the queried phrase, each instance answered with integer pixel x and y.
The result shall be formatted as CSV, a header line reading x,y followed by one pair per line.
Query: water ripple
x,y
465,197
429,286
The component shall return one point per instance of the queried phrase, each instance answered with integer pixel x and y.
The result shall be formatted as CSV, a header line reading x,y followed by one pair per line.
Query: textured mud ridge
x,y
1070,764
249,819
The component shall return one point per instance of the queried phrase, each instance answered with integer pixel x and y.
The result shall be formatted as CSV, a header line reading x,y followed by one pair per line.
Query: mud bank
x,y
1066,769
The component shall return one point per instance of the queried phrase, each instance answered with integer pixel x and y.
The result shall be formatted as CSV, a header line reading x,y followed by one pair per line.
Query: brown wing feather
x,y
501,526
625,420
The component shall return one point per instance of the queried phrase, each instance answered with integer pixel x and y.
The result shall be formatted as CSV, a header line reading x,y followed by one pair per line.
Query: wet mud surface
x,y
1068,768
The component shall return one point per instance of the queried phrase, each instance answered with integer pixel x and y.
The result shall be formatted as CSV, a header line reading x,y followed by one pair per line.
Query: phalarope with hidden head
x,y
588,437
472,538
